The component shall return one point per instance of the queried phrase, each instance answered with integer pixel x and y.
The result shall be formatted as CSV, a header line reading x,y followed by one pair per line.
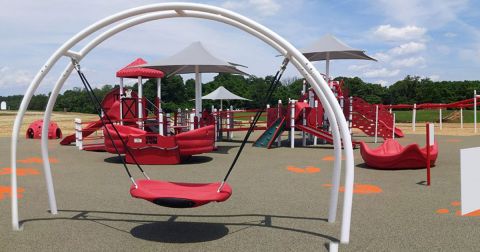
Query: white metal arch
x,y
149,17
222,15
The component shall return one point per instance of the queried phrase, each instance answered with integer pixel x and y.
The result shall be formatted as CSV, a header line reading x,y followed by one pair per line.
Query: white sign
x,y
470,175
432,133
3,105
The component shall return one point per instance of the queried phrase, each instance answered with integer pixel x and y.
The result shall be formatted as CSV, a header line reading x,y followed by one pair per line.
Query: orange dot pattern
x,y
360,188
458,212
308,169
32,160
20,171
7,190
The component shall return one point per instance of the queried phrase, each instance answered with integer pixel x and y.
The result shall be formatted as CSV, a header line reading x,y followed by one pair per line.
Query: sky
x,y
438,39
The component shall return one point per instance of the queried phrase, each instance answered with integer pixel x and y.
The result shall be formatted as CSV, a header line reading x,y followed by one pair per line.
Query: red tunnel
x,y
34,131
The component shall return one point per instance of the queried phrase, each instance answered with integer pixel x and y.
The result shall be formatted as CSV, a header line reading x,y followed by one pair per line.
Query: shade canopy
x,y
192,57
222,93
131,71
329,47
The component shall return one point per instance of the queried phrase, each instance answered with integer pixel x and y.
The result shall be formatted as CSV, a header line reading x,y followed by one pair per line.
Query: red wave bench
x,y
391,155
151,148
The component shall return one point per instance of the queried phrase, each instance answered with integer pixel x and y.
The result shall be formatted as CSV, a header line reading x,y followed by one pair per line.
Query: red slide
x,y
321,134
87,131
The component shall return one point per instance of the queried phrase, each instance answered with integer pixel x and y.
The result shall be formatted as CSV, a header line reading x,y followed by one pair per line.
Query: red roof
x,y
129,72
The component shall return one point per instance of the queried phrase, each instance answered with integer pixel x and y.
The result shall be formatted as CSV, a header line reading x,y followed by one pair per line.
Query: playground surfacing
x,y
272,207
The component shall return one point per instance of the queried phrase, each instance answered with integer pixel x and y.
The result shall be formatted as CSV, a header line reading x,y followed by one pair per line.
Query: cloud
x,y
381,72
430,13
434,77
382,57
409,62
408,48
450,34
14,77
381,82
390,33
357,67
262,7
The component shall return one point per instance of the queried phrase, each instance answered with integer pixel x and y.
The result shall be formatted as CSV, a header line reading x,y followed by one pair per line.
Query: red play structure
x,y
152,148
149,139
391,155
34,131
309,118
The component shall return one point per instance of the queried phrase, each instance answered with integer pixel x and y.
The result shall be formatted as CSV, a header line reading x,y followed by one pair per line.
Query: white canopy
x,y
222,93
194,59
329,47
195,55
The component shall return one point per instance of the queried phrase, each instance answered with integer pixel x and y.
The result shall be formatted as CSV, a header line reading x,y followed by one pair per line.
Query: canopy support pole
x,y
121,100
159,106
140,103
198,91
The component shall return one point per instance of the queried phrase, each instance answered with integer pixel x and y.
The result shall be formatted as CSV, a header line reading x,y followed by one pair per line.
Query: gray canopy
x,y
192,57
222,93
329,47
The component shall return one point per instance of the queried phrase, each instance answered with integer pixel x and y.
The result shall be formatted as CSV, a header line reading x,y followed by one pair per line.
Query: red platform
x,y
150,148
392,155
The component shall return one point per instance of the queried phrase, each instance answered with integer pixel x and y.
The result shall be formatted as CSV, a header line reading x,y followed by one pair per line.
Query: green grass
x,y
432,116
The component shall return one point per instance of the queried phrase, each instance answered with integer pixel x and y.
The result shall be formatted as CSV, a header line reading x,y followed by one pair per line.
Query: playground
x,y
279,201
322,169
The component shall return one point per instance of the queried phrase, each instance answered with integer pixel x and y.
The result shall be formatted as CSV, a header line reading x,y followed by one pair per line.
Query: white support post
x,y
393,127
315,107
376,123
140,102
292,124
440,118
198,91
78,133
121,100
304,123
192,121
215,128
461,118
350,115
279,108
232,121
414,116
160,123
159,105
304,86
168,123
475,110
390,110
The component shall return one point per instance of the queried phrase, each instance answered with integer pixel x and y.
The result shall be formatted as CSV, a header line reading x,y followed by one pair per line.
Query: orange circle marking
x,y
311,169
20,171
471,214
308,169
295,169
442,211
455,203
7,190
360,188
37,160
330,158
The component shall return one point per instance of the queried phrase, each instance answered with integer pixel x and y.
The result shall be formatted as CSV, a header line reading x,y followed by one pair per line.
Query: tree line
x,y
177,93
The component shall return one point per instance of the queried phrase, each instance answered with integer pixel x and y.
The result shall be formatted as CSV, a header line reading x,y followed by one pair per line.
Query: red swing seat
x,y
180,195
